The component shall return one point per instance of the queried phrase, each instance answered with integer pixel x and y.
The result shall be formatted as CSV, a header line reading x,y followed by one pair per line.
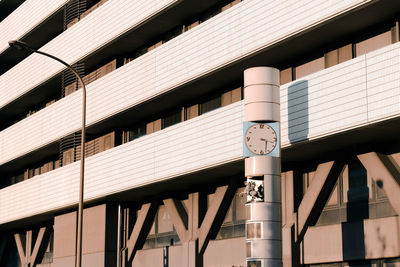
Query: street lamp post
x,y
22,46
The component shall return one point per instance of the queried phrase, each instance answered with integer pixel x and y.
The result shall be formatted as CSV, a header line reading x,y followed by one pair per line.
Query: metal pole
x,y
22,46
119,236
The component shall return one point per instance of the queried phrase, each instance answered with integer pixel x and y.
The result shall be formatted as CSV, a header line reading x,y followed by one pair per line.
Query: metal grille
x,y
73,10
68,148
69,78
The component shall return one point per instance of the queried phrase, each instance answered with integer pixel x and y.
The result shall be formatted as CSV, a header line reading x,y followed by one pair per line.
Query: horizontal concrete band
x,y
261,93
262,111
261,101
259,75
260,166
266,262
264,249
263,211
263,230
254,84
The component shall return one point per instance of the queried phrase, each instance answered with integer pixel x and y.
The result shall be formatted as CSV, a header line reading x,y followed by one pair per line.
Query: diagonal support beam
x,y
29,257
20,248
41,243
290,249
179,218
141,229
317,195
215,214
187,223
385,171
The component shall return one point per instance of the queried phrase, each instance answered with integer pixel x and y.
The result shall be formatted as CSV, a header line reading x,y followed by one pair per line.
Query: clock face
x,y
260,139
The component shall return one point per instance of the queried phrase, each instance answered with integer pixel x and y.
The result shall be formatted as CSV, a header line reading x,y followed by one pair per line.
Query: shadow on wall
x,y
298,120
357,210
9,254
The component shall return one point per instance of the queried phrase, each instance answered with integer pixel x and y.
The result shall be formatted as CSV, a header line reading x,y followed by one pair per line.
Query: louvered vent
x,y
72,12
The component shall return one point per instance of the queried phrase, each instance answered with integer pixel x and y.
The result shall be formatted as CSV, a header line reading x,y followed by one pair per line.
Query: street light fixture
x,y
23,46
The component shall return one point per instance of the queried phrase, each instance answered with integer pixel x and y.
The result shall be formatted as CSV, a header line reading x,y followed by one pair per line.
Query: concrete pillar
x,y
263,171
261,94
288,220
99,237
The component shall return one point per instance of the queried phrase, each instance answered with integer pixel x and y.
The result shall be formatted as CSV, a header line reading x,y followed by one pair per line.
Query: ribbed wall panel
x,y
247,27
202,142
23,20
208,46
383,83
320,104
355,93
103,25
41,128
216,137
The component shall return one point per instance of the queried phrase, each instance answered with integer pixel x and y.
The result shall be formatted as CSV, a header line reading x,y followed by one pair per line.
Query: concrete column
x,y
263,214
261,94
99,237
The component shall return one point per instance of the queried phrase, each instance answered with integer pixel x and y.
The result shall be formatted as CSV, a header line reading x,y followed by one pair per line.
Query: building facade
x,y
165,109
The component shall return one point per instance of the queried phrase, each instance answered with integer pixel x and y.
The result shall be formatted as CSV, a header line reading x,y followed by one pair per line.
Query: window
x,y
162,232
392,263
310,67
172,118
153,126
191,112
234,222
339,55
356,196
231,96
210,105
373,43
133,134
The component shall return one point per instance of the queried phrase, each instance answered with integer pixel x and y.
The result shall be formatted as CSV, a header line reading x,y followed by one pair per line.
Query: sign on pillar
x,y
261,149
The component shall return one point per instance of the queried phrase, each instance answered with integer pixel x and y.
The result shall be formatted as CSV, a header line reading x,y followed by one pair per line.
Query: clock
x,y
261,139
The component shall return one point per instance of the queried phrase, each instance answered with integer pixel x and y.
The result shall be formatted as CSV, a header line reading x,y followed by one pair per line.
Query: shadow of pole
x,y
353,245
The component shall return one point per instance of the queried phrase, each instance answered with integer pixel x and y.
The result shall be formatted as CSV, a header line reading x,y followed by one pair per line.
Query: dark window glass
x,y
392,263
172,118
19,178
210,105
137,132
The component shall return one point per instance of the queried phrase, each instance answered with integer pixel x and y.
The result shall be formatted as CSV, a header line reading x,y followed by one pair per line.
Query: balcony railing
x,y
206,141
214,43
358,92
91,33
23,20
355,93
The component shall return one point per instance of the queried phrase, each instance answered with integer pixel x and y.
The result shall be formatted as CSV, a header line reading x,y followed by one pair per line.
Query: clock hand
x,y
266,143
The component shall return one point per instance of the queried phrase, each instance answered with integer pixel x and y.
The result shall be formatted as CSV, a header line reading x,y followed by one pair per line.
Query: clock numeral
x,y
248,139
261,152
261,126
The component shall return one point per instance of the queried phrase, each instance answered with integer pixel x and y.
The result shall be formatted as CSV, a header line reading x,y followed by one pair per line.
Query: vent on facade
x,y
72,11
69,148
70,82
